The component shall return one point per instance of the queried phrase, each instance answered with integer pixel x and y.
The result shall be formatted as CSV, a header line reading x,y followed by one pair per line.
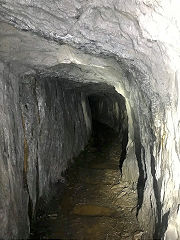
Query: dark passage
x,y
95,203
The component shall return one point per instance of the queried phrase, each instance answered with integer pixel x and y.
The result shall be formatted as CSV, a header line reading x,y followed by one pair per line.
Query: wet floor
x,y
96,204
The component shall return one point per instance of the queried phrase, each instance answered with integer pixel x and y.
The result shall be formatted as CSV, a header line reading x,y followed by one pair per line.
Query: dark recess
x,y
160,226
124,150
43,203
140,160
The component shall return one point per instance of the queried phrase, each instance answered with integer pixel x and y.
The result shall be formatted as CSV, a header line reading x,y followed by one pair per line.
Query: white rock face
x,y
131,45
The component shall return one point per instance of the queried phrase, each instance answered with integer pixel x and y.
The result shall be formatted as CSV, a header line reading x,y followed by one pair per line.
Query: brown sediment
x,y
26,153
96,203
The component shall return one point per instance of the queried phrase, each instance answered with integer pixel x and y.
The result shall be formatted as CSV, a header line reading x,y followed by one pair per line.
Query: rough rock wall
x,y
57,126
43,126
143,36
14,222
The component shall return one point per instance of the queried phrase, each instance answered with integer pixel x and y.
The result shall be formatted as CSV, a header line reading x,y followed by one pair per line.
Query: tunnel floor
x,y
95,204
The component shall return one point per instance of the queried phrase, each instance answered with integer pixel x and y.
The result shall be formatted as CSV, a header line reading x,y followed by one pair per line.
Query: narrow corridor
x,y
96,204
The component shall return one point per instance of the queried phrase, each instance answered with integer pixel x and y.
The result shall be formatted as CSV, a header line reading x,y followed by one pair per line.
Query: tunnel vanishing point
x,y
57,57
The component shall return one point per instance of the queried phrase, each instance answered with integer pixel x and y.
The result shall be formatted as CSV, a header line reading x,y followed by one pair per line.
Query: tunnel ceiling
x,y
127,38
132,46
33,54
123,30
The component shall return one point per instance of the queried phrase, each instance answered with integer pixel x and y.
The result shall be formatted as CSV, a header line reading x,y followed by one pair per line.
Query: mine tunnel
x,y
87,124
82,162
90,119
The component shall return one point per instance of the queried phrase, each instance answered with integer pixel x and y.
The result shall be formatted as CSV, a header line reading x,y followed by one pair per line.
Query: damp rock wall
x,y
43,126
14,221
57,126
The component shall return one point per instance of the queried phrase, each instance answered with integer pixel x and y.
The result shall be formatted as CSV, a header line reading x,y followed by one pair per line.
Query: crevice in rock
x,y
140,156
124,148
30,212
37,186
164,224
158,225
26,152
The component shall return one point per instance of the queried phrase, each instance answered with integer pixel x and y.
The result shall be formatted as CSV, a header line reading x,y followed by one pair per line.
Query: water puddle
x,y
96,204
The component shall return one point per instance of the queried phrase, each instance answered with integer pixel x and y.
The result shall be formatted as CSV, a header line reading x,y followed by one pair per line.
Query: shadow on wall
x,y
124,148
161,222
140,156
110,109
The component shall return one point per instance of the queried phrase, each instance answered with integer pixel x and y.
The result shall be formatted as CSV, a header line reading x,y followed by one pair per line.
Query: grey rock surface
x,y
14,221
57,126
131,45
